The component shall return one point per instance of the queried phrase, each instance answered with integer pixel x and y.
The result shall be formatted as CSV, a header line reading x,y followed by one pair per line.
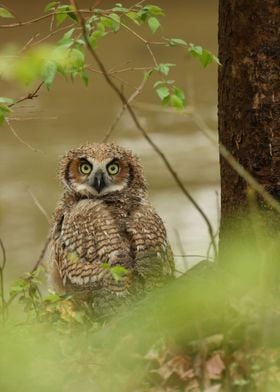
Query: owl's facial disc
x,y
91,177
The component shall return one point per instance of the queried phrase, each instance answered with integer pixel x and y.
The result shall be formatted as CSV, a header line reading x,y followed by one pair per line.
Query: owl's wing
x,y
75,264
154,260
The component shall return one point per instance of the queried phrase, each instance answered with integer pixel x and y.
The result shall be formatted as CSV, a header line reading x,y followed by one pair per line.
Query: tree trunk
x,y
249,99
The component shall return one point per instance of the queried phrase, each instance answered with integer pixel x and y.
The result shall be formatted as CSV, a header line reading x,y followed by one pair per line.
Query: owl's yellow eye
x,y
85,168
113,169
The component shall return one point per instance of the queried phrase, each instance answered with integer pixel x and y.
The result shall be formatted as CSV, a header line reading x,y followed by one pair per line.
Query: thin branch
x,y
128,69
31,95
53,33
42,254
12,118
39,206
4,255
49,15
204,257
137,4
2,267
19,138
121,112
152,54
141,129
28,43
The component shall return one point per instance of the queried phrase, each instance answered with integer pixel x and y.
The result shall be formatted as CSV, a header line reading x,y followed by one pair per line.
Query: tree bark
x,y
249,99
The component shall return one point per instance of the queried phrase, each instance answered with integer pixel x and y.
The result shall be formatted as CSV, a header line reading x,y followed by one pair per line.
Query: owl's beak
x,y
98,181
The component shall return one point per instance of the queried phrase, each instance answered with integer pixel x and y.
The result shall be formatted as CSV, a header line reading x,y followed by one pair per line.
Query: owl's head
x,y
96,170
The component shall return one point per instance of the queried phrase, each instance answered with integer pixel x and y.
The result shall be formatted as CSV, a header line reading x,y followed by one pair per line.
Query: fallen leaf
x,y
215,367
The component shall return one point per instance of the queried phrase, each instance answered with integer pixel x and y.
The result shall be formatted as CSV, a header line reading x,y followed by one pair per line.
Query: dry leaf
x,y
215,367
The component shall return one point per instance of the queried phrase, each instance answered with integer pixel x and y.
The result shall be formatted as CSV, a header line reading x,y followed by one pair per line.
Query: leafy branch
x,y
139,126
68,57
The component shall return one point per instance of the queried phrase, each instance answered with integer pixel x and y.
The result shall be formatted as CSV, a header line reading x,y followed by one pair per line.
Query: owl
x,y
107,241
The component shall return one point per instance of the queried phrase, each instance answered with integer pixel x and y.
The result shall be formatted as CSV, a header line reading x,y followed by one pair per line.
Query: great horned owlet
x,y
107,239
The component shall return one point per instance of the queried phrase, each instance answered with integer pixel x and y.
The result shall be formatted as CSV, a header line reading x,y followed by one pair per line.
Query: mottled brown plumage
x,y
105,221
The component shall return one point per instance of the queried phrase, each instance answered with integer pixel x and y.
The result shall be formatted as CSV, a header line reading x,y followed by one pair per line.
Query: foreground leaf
x,y
4,13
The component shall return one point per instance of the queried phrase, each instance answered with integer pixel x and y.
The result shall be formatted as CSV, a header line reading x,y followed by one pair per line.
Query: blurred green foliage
x,y
216,326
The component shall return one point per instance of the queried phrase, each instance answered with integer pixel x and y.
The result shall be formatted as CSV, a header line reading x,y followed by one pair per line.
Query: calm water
x,y
71,114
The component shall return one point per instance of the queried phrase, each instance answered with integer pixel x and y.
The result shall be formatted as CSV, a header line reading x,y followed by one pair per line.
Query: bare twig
x,y
4,255
13,118
2,267
203,256
42,254
19,138
39,206
31,95
28,43
141,129
53,33
49,15
121,112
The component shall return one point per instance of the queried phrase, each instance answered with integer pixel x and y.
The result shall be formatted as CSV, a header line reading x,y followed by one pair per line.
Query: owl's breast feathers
x,y
93,236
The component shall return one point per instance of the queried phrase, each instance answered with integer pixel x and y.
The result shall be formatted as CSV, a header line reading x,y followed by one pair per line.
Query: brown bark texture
x,y
249,98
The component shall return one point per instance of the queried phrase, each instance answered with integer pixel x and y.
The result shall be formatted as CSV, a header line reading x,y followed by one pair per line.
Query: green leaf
x,y
134,16
164,68
99,33
7,101
84,76
112,22
119,8
18,286
153,10
180,93
118,272
64,11
163,92
3,113
73,16
4,13
117,21
48,73
176,102
147,74
51,6
60,18
158,83
68,34
80,42
66,40
176,42
53,297
154,24
75,60
204,56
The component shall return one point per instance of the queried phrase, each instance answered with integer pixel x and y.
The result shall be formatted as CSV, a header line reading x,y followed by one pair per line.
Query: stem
x,y
2,293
